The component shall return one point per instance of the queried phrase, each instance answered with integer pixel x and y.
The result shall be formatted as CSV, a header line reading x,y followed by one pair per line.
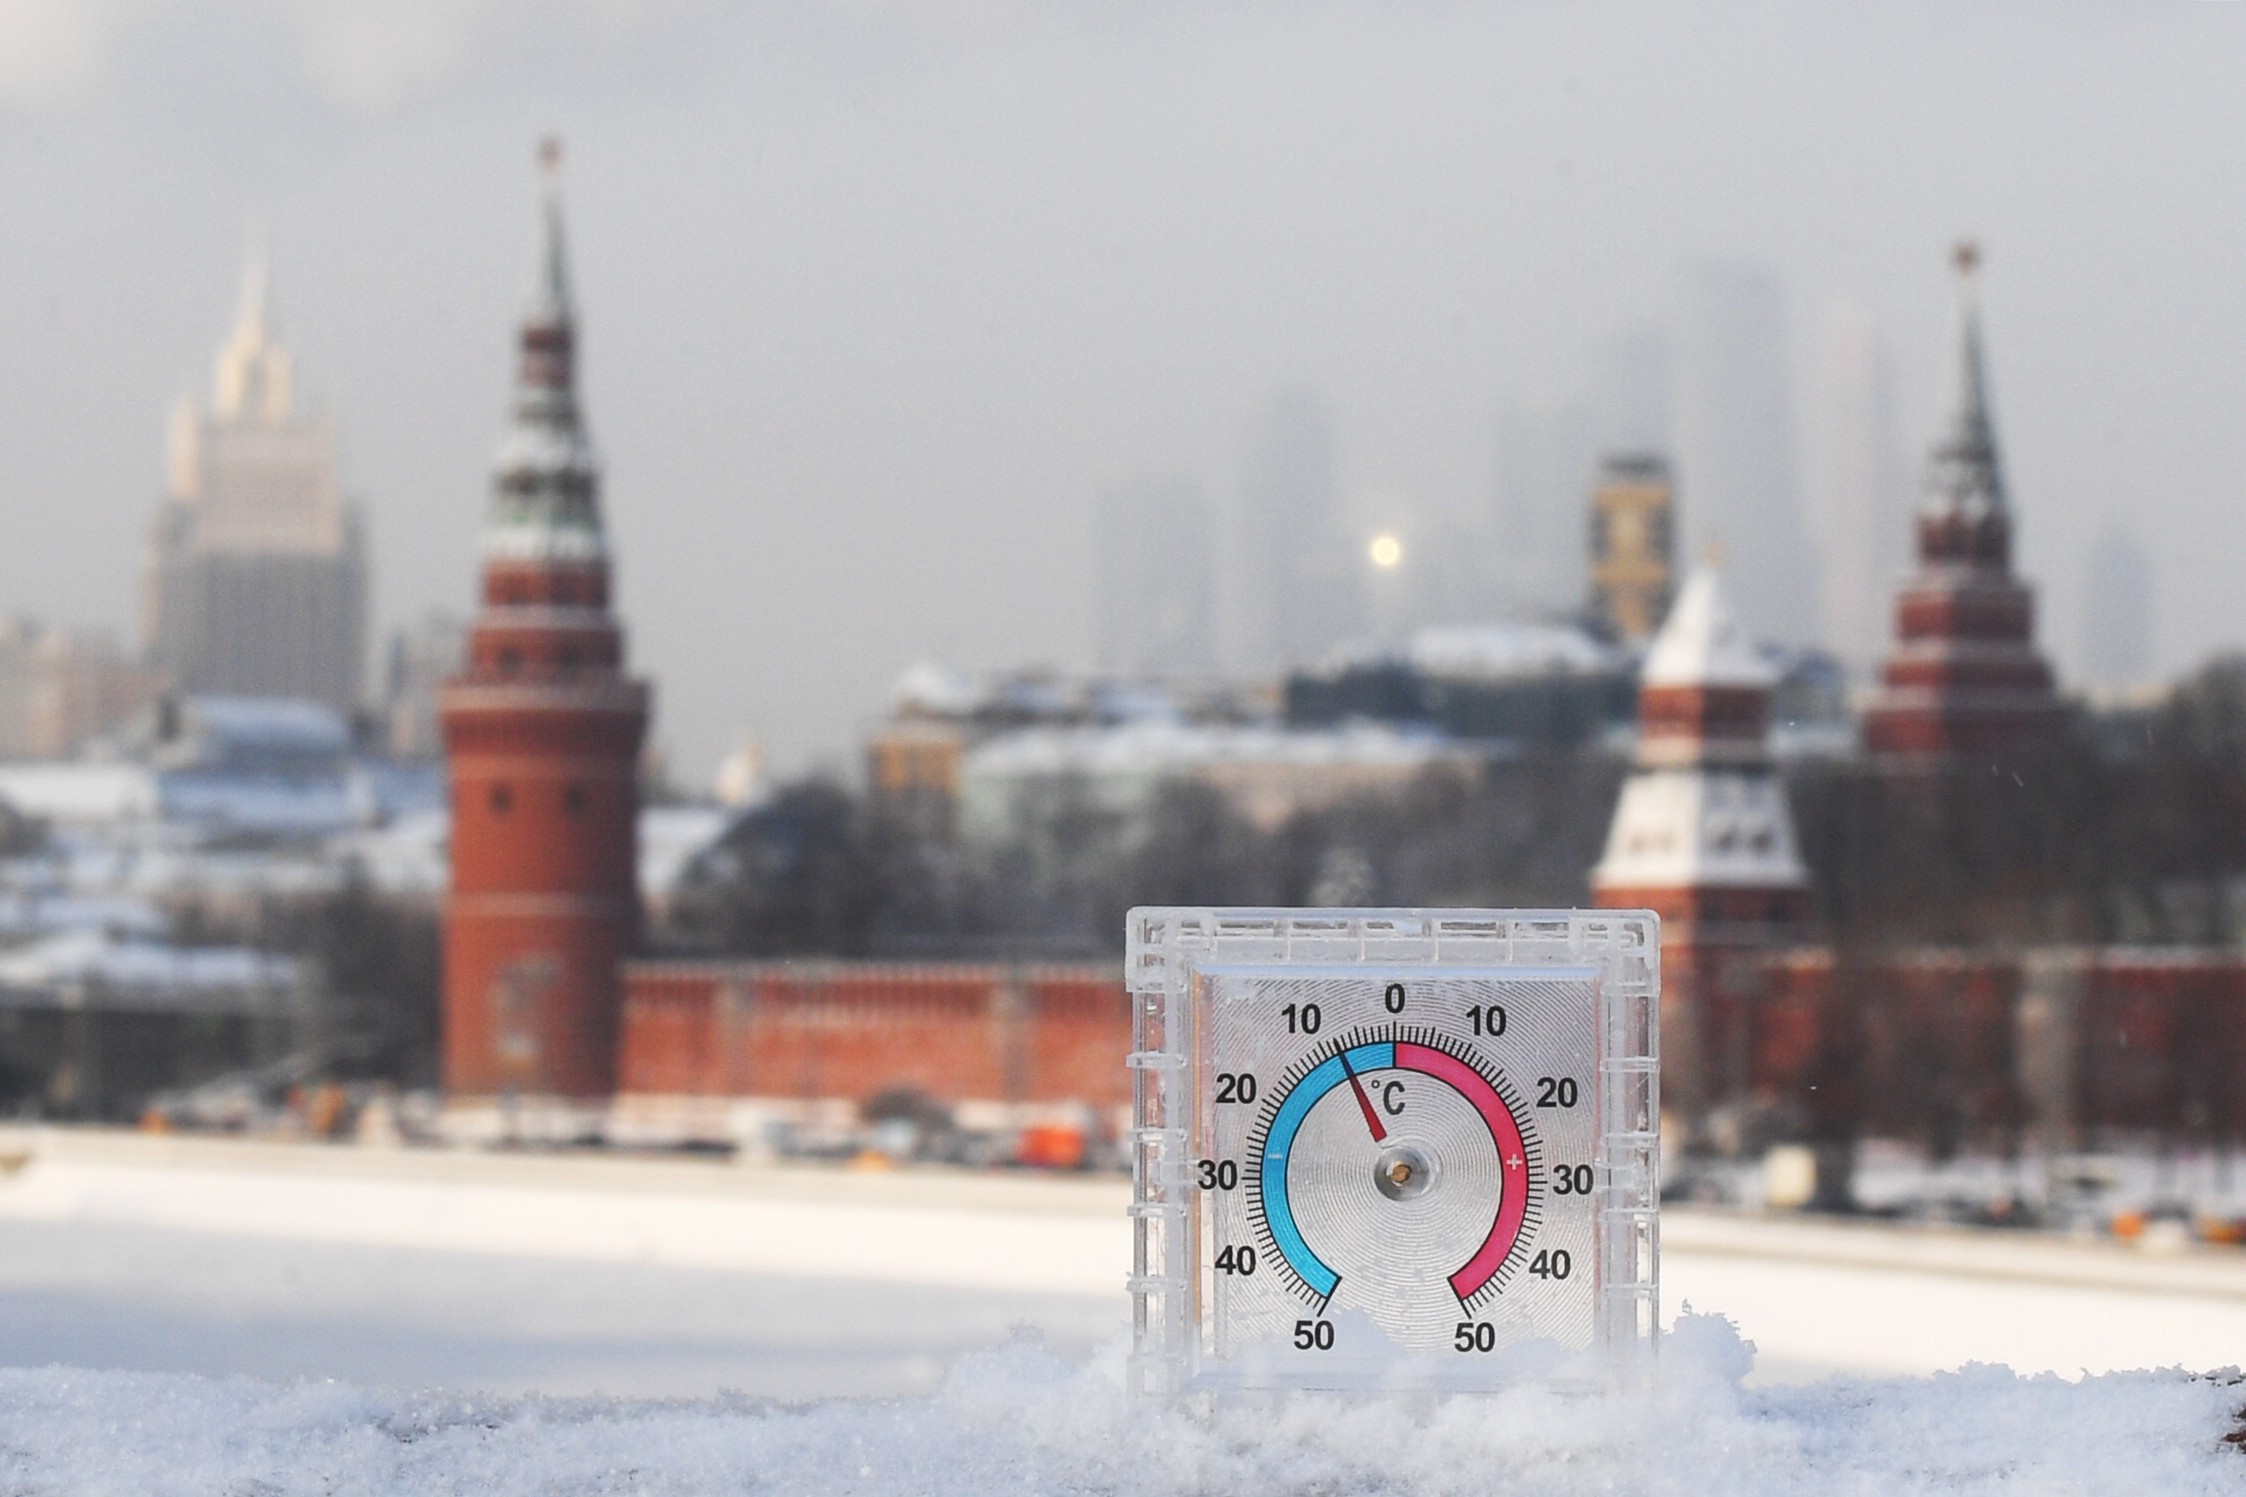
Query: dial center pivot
x,y
1404,1172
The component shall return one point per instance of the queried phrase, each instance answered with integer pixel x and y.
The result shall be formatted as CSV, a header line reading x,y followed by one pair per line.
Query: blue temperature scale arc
x,y
1386,1055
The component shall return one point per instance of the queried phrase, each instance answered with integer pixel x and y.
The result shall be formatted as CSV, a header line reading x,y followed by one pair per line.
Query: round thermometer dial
x,y
1397,1165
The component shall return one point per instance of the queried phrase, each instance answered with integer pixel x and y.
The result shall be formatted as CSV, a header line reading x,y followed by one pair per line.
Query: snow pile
x,y
1023,1420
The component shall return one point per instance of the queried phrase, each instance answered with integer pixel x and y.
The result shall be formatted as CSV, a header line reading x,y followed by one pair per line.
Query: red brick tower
x,y
1703,837
542,732
1965,678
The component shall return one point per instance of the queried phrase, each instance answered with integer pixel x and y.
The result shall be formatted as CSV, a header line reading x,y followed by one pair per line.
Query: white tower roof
x,y
1702,644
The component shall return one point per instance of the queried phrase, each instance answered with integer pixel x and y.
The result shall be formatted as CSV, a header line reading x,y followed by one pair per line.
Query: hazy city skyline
x,y
878,301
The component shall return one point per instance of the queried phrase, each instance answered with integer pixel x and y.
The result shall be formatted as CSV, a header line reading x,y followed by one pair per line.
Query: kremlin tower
x,y
1965,678
542,733
1702,836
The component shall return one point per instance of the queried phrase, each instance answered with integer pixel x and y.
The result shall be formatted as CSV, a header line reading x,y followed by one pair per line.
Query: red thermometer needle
x,y
1364,1103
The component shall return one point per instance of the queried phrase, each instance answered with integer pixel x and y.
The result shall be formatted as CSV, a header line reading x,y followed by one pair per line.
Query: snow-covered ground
x,y
570,1275
135,1261
1023,1420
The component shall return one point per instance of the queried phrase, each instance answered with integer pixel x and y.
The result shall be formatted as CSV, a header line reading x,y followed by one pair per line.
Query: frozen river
x,y
575,1276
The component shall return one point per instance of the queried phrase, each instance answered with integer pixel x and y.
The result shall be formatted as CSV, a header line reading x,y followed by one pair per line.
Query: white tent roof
x,y
1702,644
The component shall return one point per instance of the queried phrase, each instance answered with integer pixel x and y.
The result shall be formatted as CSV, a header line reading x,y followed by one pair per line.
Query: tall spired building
x,y
1965,678
256,578
542,730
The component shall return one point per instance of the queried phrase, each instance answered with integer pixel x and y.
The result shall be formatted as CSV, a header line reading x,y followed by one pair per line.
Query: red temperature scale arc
x,y
1344,1067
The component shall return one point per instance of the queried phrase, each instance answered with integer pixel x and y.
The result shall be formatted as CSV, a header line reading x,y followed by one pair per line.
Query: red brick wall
x,y
855,1030
2163,1043
2158,1038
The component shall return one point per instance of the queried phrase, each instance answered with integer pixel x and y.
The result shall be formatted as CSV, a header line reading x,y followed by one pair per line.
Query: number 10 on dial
x,y
1388,1148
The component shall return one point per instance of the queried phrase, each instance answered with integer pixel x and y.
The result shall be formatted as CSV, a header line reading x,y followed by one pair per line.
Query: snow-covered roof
x,y
1157,747
937,691
147,974
70,792
270,724
410,855
1509,652
37,912
264,804
672,837
930,690
1485,652
1702,644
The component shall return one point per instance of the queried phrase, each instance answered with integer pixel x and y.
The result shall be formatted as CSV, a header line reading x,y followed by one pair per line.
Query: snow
x,y
1681,827
151,975
74,793
267,727
672,837
1157,749
631,1292
937,691
1504,652
1022,1419
1702,644
789,1222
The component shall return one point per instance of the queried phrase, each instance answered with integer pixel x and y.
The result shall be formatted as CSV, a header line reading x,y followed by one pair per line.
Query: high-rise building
x,y
1628,395
256,578
422,659
1735,449
542,731
1155,575
1965,677
62,688
1545,456
1859,490
1633,546
1703,836
2117,611
1305,572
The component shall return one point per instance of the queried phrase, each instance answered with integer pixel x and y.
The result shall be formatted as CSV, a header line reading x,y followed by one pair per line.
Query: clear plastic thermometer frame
x,y
1386,1148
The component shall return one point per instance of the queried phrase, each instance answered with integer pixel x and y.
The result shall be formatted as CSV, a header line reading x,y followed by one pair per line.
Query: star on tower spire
x,y
1964,474
549,287
546,499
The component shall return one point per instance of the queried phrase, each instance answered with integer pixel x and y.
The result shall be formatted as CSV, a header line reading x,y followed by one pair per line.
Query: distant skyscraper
x,y
256,581
1307,574
61,687
1629,391
1546,462
1735,446
1861,496
2117,611
422,659
1633,546
1965,679
1155,572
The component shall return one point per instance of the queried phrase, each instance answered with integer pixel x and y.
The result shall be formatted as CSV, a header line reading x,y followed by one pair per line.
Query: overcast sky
x,y
878,295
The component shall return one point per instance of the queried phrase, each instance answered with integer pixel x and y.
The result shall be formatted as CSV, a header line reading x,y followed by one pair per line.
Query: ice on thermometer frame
x,y
1165,946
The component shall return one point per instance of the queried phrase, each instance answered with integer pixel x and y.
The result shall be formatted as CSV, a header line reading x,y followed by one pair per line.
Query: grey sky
x,y
879,295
